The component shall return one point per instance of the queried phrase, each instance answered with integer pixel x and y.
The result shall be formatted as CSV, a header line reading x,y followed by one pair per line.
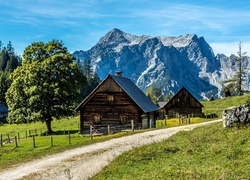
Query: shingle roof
x,y
135,93
132,91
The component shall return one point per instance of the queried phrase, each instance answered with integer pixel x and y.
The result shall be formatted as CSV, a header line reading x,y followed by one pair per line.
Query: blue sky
x,y
81,23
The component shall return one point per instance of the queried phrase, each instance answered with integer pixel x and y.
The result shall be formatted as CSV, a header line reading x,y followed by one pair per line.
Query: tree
x,y
46,86
92,83
155,94
92,79
237,80
8,62
4,85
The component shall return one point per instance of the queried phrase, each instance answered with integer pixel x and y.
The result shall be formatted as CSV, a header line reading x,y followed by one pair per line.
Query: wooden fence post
x,y
132,125
51,141
34,142
18,136
1,140
69,137
90,132
16,141
108,129
26,133
8,138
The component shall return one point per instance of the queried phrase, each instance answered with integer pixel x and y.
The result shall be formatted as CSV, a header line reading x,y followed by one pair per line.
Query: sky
x,y
80,24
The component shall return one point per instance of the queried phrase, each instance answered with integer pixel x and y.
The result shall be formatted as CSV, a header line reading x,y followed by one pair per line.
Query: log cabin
x,y
183,103
115,102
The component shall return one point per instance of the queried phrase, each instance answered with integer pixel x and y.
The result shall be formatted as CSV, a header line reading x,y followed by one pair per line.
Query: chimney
x,y
118,73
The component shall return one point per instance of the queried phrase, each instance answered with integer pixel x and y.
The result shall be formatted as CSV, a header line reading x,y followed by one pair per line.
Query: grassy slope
x,y
218,105
209,152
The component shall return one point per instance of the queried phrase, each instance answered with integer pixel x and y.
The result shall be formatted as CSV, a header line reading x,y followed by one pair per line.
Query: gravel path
x,y
84,162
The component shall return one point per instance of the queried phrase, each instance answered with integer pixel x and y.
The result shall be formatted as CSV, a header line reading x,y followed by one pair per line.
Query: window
x,y
110,98
123,119
97,118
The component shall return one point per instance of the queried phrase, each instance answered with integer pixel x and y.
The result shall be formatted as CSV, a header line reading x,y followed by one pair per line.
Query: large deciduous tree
x,y
46,86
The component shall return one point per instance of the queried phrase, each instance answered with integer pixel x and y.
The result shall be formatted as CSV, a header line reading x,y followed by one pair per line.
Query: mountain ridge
x,y
167,62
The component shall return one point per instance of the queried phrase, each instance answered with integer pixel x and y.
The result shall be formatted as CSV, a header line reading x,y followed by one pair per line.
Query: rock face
x,y
238,115
167,62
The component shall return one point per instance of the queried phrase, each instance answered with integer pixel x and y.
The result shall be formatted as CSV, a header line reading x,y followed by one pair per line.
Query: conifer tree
x,y
236,82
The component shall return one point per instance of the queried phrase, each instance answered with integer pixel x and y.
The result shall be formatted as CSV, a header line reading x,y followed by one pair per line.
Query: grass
x,y
217,106
209,152
68,124
11,155
207,149
176,122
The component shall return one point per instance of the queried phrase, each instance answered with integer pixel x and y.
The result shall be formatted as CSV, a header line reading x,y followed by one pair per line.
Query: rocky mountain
x,y
167,62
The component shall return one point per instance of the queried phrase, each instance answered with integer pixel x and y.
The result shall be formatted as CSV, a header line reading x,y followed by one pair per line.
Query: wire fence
x,y
14,137
91,131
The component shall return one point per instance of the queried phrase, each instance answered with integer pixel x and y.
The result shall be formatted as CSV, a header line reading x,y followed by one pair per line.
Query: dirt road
x,y
84,162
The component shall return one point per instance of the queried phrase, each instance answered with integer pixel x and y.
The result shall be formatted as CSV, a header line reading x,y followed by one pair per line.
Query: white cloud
x,y
230,48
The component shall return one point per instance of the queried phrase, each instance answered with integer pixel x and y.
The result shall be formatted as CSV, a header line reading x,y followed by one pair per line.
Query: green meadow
x,y
209,152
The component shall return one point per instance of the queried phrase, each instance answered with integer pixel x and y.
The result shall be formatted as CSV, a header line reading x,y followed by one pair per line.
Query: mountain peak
x,y
168,62
115,36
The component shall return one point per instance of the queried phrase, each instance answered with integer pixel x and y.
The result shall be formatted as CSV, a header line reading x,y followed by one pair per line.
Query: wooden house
x,y
3,113
115,102
182,103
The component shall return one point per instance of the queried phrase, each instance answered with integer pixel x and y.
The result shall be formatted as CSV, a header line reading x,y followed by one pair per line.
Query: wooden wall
x,y
110,105
183,104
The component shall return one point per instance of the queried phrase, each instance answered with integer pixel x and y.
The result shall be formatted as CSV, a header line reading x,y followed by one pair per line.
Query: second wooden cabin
x,y
182,103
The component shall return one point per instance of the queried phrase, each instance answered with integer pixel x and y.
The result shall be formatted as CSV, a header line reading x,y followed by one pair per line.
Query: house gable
x,y
116,101
184,103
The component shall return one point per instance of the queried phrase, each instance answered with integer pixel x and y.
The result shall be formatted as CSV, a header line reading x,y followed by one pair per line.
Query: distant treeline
x,y
9,61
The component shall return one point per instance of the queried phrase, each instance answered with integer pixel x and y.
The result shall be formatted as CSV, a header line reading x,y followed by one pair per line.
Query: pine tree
x,y
235,84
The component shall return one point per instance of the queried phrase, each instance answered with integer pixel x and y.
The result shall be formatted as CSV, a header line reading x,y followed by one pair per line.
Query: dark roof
x,y
135,93
183,88
132,91
3,108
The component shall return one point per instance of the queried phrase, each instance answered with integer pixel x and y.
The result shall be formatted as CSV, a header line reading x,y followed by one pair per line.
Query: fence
x,y
180,120
15,137
99,130
91,132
